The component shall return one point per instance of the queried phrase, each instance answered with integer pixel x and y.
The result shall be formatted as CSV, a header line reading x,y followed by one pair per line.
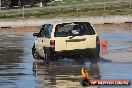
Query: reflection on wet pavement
x,y
12,66
18,69
62,76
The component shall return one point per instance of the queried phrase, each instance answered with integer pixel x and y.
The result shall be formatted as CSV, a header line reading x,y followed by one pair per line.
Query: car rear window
x,y
74,29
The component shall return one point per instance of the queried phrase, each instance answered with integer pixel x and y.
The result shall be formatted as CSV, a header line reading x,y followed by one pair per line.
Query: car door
x,y
44,38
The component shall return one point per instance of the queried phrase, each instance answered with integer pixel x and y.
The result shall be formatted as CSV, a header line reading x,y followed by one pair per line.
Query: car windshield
x,y
46,30
73,29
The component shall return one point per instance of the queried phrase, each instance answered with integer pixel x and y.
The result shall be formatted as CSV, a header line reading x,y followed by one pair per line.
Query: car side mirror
x,y
35,34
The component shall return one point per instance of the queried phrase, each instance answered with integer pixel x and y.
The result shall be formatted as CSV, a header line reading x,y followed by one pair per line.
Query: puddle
x,y
117,39
18,69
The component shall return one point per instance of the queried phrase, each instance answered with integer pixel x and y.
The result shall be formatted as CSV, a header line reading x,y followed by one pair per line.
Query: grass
x,y
70,8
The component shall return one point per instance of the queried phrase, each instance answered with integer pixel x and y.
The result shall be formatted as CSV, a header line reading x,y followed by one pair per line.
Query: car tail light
x,y
97,39
52,44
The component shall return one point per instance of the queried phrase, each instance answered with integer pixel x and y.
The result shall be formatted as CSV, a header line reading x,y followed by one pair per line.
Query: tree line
x,y
11,3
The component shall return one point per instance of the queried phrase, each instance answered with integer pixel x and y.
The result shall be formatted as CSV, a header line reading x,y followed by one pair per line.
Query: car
x,y
78,39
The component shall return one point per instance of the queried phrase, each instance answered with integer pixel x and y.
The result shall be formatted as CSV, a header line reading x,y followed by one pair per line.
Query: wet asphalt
x,y
18,69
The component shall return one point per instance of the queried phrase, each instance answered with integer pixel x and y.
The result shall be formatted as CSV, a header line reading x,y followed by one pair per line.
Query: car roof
x,y
55,23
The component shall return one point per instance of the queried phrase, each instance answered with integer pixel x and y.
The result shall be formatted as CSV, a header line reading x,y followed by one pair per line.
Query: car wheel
x,y
34,53
94,59
47,59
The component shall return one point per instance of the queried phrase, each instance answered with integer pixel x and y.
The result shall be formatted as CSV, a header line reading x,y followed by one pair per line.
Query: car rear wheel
x,y
94,59
47,58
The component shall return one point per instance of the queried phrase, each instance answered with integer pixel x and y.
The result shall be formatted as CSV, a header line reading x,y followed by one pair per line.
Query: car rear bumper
x,y
78,52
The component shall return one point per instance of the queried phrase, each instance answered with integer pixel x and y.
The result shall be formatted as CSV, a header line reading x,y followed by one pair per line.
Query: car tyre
x,y
94,59
47,58
35,55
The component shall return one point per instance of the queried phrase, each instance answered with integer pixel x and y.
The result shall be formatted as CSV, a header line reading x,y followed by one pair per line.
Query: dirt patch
x,y
105,26
20,29
110,26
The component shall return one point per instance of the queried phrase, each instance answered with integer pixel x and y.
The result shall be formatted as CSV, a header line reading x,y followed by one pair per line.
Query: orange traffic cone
x,y
104,46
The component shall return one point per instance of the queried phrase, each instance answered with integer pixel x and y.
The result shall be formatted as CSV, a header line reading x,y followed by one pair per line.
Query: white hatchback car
x,y
66,40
